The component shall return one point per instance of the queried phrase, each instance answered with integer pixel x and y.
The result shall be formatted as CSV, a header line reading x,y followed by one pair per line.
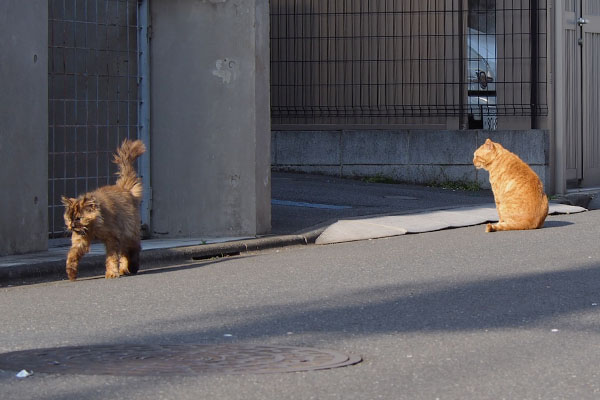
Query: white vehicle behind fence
x,y
481,80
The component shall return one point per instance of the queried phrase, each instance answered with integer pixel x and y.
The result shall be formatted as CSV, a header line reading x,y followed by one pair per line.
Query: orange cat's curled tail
x,y
129,151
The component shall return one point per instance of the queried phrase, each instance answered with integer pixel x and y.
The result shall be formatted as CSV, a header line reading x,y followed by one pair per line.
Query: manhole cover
x,y
173,360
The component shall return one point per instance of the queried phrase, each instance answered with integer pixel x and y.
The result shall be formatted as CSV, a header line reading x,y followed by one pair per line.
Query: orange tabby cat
x,y
518,191
110,214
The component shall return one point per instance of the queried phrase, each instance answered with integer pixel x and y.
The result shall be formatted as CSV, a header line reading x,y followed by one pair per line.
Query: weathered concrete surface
x,y
23,126
210,128
412,156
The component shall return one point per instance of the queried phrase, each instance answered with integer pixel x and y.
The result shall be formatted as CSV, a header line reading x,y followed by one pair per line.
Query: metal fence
x,y
93,94
406,61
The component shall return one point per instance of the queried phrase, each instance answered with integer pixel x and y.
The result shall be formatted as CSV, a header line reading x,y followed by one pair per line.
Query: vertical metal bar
x,y
52,123
75,100
419,56
87,102
64,102
559,103
410,96
128,72
579,90
97,73
118,72
534,62
463,120
143,22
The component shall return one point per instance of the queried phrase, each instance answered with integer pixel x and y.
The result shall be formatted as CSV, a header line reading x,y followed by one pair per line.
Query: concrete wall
x,y
23,126
415,156
210,129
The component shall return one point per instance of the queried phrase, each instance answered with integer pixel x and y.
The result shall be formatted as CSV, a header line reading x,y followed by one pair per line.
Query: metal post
x,y
144,108
534,61
559,103
462,54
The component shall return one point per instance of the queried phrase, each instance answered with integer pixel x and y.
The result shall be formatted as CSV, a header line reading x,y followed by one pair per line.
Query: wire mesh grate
x,y
93,94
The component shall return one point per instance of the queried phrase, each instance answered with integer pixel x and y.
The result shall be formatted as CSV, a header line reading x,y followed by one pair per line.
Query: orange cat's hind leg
x,y
507,226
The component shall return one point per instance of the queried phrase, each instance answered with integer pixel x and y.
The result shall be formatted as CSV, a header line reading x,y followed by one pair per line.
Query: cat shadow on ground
x,y
188,265
156,269
556,224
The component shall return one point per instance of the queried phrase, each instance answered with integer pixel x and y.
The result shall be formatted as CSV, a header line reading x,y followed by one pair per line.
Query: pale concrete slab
x,y
415,223
360,229
396,225
564,209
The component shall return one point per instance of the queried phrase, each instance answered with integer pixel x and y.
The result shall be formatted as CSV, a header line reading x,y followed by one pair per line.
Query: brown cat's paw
x,y
71,272
111,274
489,228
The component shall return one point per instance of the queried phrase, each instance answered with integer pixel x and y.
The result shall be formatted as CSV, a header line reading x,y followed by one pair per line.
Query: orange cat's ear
x,y
489,144
66,201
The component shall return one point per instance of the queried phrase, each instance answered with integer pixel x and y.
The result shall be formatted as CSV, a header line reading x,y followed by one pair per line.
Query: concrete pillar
x,y
210,121
23,126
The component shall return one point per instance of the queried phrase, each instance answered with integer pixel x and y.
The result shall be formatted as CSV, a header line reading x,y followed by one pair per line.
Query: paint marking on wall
x,y
227,70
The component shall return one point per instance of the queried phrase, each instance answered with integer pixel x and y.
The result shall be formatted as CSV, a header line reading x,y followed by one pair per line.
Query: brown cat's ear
x,y
67,202
489,144
90,203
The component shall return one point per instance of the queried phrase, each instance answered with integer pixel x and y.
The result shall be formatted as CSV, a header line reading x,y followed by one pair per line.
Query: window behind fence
x,y
407,62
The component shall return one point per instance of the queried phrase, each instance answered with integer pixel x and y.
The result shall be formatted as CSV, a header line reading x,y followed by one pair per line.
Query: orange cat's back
x,y
518,191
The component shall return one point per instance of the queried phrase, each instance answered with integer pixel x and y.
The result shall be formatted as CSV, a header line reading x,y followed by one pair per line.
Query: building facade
x,y
189,78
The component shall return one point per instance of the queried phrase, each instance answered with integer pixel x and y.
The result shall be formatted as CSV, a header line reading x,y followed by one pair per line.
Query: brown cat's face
x,y
80,213
485,154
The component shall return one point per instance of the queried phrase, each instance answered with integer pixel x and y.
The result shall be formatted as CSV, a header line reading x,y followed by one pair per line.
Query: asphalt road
x,y
454,314
334,198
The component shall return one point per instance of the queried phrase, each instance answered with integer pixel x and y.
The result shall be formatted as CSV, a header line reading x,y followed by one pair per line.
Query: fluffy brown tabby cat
x,y
518,191
110,214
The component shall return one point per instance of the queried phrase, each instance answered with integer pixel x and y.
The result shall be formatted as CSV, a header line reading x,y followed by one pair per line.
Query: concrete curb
x,y
93,265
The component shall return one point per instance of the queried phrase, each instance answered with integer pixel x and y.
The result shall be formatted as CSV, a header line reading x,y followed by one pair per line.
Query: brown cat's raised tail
x,y
124,158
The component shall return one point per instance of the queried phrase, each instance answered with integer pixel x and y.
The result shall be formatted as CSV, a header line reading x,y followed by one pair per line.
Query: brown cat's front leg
x,y
79,247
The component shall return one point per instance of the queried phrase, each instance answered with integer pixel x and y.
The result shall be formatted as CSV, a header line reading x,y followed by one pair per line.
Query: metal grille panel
x,y
404,61
93,94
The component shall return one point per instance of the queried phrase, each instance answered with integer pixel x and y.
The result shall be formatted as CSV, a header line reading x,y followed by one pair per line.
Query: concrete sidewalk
x,y
305,209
